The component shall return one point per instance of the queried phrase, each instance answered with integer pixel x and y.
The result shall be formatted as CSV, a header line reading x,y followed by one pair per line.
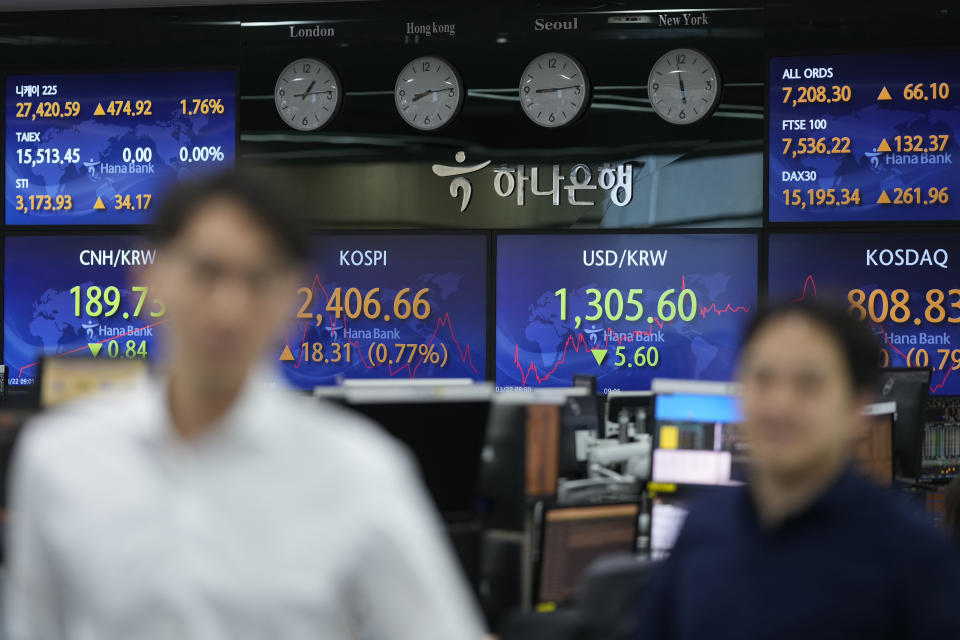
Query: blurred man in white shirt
x,y
207,504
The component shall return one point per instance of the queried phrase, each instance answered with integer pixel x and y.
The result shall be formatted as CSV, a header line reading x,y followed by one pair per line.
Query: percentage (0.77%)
x,y
201,154
409,353
377,353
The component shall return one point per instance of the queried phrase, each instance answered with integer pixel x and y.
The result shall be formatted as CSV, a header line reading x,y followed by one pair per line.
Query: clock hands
x,y
305,93
683,91
312,93
424,94
573,86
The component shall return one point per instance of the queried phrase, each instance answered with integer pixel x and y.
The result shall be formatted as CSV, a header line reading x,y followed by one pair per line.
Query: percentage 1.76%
x,y
202,106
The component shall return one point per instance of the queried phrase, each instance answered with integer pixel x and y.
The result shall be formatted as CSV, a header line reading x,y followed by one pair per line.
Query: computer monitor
x,y
444,427
64,379
521,456
11,425
941,450
573,537
909,388
579,421
589,382
873,451
941,438
378,383
697,439
586,381
669,502
634,406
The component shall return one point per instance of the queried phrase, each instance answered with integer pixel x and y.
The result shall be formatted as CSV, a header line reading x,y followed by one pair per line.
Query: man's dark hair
x,y
259,199
856,342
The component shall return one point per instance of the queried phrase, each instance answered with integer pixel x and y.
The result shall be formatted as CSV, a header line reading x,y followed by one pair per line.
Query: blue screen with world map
x,y
76,296
99,149
863,137
900,284
394,306
626,308
370,306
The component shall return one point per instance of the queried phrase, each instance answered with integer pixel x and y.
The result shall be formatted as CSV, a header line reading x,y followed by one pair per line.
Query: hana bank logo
x,y
459,186
90,326
617,180
874,158
93,167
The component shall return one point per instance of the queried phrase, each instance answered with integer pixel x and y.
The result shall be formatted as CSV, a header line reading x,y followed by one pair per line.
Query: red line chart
x,y
809,284
443,322
87,345
579,342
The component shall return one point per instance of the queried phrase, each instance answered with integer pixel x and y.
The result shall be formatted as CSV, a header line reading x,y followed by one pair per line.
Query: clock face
x,y
554,90
429,93
308,94
683,86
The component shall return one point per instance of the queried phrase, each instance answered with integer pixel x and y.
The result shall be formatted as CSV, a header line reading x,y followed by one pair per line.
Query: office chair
x,y
606,606
610,595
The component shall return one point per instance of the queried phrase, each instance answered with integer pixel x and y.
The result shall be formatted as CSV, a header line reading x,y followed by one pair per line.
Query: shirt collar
x,y
835,499
245,422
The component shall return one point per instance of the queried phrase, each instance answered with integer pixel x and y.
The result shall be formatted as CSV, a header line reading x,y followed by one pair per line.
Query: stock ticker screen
x,y
900,284
76,296
625,308
101,148
857,138
389,306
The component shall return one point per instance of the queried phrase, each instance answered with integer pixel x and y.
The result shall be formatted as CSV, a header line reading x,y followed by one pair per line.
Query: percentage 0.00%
x,y
201,154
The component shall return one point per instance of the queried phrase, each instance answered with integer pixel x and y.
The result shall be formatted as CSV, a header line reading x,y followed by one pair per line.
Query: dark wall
x,y
368,168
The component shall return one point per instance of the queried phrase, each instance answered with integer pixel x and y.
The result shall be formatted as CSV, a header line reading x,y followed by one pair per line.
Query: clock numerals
x,y
554,90
307,94
683,86
429,93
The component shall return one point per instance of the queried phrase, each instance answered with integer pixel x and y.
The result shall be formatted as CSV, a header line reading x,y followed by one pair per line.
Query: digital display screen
x,y
625,308
397,306
856,138
101,148
574,537
76,296
697,440
900,284
697,408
